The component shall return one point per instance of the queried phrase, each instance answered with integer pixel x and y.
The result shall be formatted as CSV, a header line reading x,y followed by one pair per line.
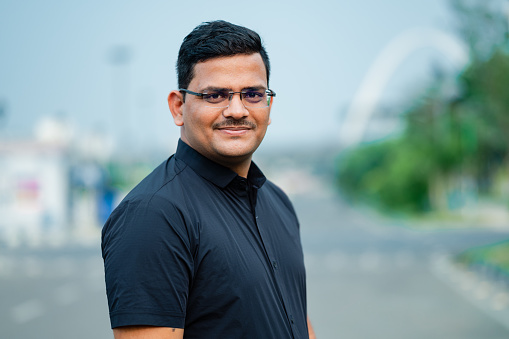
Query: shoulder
x,y
164,176
153,206
163,188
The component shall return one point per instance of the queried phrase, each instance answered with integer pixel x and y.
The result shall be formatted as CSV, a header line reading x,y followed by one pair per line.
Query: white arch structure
x,y
385,65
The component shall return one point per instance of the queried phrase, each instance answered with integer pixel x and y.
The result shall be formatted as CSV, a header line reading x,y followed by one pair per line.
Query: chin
x,y
236,150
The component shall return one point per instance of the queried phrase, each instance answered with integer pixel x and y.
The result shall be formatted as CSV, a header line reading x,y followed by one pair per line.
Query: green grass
x,y
496,255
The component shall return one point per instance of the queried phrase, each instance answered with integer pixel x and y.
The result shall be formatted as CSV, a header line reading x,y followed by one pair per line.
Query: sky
x,y
56,60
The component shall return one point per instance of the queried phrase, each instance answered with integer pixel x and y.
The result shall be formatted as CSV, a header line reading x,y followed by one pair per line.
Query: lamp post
x,y
119,57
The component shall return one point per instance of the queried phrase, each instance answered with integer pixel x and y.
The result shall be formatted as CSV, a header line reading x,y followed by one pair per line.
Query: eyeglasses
x,y
222,99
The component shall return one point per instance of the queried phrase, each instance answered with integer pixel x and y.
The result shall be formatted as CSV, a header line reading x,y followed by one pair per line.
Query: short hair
x,y
216,39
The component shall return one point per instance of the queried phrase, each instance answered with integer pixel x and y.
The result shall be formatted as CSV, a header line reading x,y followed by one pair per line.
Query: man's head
x,y
223,102
216,39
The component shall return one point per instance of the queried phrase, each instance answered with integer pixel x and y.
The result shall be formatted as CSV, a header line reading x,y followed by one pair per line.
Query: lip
x,y
236,131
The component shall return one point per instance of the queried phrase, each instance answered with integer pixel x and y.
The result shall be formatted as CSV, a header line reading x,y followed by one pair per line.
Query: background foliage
x,y
450,144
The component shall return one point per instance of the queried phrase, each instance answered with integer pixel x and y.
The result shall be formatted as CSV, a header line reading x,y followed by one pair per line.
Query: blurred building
x,y
52,187
34,188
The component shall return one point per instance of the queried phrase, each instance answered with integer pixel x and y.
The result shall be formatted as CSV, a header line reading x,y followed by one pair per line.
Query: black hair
x,y
216,39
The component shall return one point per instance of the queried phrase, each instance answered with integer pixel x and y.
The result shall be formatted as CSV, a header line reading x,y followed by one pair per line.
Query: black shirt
x,y
196,246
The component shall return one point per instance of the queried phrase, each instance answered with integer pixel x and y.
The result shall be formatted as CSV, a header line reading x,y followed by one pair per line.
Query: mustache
x,y
234,123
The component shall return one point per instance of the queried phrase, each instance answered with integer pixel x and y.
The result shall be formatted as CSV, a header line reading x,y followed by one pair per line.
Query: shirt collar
x,y
212,171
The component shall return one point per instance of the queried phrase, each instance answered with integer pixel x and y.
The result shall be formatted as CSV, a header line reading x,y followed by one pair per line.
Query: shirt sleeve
x,y
148,264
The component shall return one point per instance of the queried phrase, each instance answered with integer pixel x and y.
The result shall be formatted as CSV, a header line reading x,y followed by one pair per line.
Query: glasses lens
x,y
255,99
215,97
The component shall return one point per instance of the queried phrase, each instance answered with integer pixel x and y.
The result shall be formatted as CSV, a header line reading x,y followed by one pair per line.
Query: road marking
x,y
370,261
483,290
501,301
491,299
27,311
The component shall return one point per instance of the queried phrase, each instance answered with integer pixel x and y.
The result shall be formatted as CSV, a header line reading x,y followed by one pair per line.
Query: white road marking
x,y
501,301
369,261
483,290
493,300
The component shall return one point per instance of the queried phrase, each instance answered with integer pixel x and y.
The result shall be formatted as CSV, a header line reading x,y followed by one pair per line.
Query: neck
x,y
241,167
241,170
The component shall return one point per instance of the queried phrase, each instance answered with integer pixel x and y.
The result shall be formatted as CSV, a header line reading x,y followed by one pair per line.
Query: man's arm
x,y
311,331
148,332
137,263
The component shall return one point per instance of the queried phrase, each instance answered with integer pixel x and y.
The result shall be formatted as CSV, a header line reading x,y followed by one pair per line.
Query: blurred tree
x,y
483,25
486,104
446,139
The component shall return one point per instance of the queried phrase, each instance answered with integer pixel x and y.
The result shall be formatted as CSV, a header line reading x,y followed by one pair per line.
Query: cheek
x,y
199,122
265,120
193,118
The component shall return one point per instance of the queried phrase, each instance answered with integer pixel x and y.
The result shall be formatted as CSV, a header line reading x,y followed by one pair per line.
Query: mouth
x,y
235,130
234,127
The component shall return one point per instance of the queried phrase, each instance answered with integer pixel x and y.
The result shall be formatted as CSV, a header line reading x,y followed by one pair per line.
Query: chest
x,y
245,245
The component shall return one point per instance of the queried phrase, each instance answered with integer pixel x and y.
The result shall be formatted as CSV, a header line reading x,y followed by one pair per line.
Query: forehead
x,y
234,72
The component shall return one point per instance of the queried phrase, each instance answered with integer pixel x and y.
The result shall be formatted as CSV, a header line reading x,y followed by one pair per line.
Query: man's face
x,y
226,135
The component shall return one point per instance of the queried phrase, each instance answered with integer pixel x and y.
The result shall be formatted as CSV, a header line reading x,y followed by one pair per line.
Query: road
x,y
372,278
366,279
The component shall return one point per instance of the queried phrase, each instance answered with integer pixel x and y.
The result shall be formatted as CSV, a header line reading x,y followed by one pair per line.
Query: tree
x,y
445,139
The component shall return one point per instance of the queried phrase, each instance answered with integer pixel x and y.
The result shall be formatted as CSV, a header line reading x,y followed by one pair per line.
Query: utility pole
x,y
121,119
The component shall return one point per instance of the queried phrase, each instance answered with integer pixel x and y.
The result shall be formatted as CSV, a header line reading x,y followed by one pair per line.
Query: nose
x,y
236,109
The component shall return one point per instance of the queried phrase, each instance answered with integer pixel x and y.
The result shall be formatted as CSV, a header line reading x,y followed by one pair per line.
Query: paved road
x,y
365,280
370,279
57,293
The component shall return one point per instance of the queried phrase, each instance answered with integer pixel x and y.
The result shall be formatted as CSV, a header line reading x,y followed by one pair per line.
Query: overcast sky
x,y
55,59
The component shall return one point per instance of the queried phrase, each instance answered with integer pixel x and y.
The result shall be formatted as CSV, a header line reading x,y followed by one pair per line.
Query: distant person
x,y
205,246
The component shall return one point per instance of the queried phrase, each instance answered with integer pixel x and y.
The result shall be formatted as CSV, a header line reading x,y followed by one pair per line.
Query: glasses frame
x,y
270,94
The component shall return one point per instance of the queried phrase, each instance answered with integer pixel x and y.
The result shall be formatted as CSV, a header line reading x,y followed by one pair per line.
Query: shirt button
x,y
274,264
291,319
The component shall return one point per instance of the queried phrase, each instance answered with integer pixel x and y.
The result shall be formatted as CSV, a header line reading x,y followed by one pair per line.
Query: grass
x,y
495,256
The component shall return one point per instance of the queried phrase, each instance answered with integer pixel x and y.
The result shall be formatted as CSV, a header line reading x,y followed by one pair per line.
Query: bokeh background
x,y
389,133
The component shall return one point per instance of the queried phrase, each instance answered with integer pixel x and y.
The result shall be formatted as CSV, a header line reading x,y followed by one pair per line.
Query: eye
x,y
253,96
215,97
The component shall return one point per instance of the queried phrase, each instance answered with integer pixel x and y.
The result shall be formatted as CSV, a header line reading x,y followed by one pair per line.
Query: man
x,y
205,246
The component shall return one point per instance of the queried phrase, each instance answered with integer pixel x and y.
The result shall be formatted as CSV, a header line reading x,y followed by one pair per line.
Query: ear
x,y
176,103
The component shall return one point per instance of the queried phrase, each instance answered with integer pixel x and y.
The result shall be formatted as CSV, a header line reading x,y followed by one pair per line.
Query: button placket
x,y
275,265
